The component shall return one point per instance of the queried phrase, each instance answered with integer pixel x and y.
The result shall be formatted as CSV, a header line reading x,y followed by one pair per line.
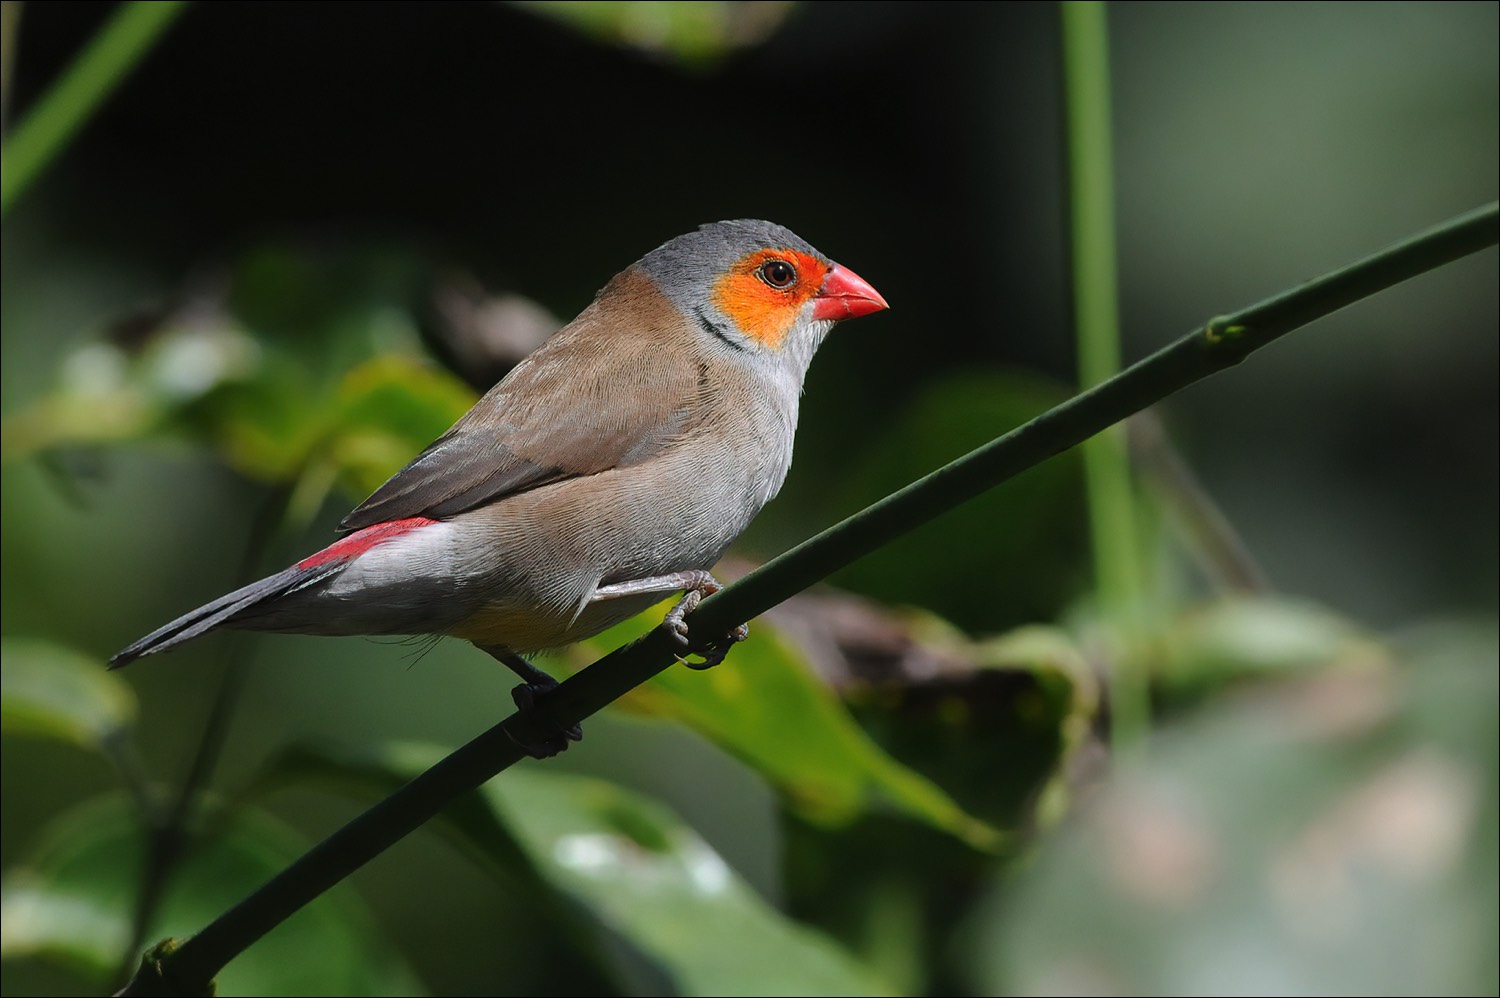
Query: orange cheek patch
x,y
764,313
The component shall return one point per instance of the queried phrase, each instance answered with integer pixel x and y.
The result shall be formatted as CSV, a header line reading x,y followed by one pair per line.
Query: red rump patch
x,y
360,541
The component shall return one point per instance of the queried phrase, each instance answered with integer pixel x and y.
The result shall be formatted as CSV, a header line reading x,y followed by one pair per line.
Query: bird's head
x,y
759,289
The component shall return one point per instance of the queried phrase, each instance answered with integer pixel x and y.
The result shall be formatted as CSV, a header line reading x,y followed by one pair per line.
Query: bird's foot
x,y
712,652
553,738
543,737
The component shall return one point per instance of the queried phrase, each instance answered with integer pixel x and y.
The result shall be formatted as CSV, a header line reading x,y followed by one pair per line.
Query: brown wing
x,y
610,390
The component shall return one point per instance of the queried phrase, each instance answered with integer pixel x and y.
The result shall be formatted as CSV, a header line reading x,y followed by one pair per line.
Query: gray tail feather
x,y
222,611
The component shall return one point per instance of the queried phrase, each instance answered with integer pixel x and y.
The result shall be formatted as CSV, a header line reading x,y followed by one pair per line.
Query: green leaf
x,y
72,902
266,428
650,878
388,409
1069,706
49,691
693,33
633,866
41,919
1260,637
765,706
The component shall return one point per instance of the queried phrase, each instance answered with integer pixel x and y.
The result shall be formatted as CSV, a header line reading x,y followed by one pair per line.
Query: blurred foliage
x,y
1257,638
1318,810
53,692
294,370
641,876
772,713
72,901
1331,834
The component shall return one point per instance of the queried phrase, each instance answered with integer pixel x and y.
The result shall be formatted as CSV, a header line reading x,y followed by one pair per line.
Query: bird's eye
x,y
778,274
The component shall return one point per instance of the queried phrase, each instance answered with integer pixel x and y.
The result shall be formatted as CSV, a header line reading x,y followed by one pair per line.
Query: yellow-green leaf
x,y
49,691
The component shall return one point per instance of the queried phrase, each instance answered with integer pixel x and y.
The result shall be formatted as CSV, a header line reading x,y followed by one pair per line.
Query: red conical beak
x,y
846,295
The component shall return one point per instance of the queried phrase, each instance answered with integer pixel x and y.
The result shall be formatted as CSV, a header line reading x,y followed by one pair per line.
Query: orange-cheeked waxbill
x,y
611,467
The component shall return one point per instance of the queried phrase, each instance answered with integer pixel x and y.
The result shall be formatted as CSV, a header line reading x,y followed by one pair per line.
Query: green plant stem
x,y
1221,343
69,102
1111,505
1218,549
168,830
121,751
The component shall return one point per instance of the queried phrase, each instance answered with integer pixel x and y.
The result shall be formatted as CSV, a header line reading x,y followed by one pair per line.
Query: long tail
x,y
240,603
224,609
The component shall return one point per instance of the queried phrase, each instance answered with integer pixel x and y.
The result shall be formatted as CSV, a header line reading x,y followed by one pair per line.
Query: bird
x,y
610,468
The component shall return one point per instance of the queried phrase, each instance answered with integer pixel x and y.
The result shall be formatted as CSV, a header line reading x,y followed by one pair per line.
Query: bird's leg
x,y
536,684
698,584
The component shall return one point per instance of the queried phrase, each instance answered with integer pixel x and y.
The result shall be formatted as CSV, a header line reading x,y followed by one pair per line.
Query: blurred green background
x,y
250,288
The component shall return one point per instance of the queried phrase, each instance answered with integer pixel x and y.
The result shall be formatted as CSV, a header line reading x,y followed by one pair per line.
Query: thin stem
x,y
1220,552
1111,504
121,751
168,828
1220,344
84,85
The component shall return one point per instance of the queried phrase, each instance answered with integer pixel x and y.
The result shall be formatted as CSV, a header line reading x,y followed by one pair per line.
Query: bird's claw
x,y
526,696
714,653
675,622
